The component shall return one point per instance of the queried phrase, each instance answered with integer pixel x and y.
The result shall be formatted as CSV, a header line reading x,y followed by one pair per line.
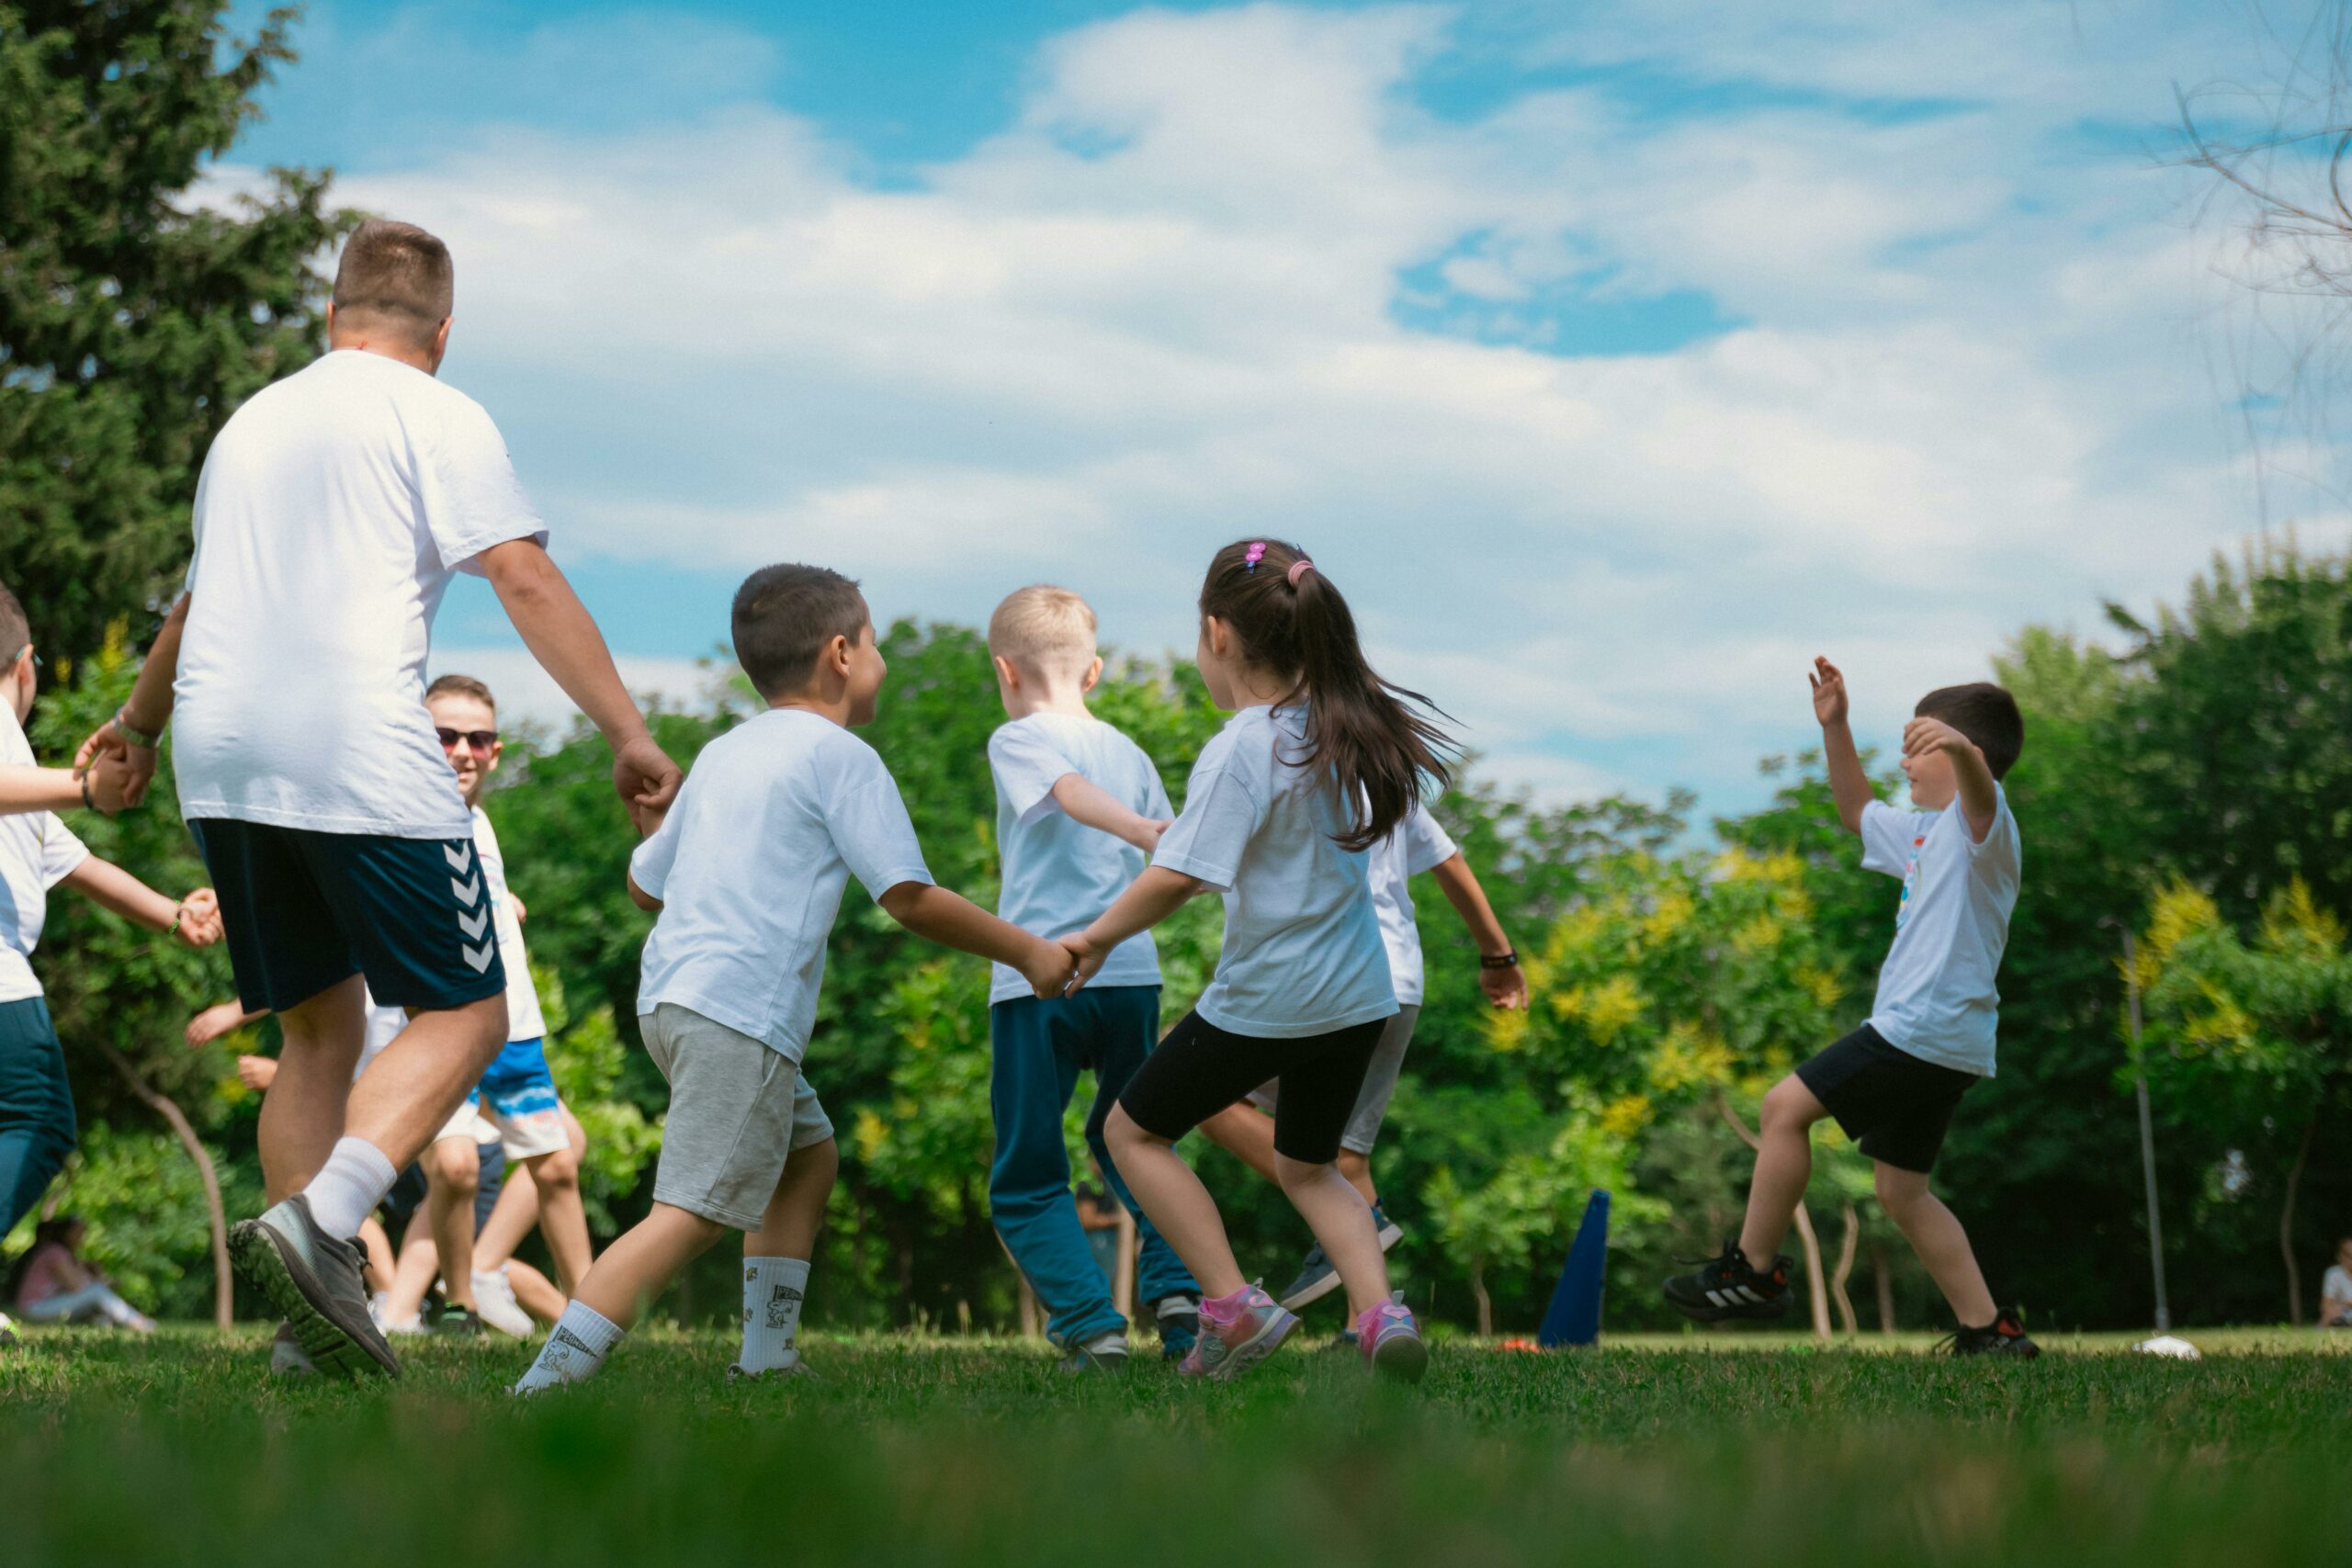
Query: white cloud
x,y
1156,313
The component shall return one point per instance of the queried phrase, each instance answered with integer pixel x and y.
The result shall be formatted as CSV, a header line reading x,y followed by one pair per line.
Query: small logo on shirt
x,y
1910,880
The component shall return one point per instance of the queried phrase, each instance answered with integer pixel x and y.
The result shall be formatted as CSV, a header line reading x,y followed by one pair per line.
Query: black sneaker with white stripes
x,y
1726,1287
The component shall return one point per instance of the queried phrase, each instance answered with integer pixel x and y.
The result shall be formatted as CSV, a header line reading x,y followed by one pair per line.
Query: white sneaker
x,y
495,1304
405,1326
7,1330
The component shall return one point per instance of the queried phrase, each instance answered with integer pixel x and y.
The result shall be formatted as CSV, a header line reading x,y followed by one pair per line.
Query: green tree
x,y
134,316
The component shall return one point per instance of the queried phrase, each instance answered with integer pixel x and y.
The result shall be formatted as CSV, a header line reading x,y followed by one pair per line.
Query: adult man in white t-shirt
x,y
333,509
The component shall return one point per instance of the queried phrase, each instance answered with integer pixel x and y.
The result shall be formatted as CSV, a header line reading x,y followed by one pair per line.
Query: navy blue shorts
x,y
306,911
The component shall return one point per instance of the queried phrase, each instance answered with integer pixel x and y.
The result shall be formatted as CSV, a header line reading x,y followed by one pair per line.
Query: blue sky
x,y
1614,357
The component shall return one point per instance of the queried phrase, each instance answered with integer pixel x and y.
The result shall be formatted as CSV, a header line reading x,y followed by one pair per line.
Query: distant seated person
x,y
1102,1227
2335,1291
53,1285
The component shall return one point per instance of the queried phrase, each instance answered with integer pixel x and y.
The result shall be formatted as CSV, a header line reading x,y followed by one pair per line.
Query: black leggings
x,y
1199,1069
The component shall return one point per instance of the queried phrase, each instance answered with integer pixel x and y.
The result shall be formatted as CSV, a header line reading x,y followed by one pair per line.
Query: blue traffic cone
x,y
1574,1316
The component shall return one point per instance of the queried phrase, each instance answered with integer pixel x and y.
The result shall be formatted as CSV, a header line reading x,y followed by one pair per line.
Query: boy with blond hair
x,y
1079,808
747,875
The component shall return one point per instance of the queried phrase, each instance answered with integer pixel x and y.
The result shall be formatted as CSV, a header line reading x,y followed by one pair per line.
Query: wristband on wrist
x,y
1499,960
87,804
146,741
177,916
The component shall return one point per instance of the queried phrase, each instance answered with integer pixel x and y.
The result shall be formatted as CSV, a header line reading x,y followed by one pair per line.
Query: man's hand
x,y
257,1072
200,919
1081,959
648,781
220,1019
133,766
1829,693
1049,968
1506,988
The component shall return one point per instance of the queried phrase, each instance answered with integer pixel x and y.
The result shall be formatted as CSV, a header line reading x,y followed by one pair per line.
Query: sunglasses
x,y
481,740
10,663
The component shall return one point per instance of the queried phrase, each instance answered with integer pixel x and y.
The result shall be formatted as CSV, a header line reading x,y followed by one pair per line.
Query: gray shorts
x,y
737,1110
1379,1083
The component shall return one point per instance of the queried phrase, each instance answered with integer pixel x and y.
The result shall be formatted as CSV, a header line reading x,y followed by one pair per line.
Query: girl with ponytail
x,y
1321,759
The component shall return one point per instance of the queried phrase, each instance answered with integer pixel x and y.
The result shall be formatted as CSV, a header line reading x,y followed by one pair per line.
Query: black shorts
x,y
1895,1106
1199,1069
307,911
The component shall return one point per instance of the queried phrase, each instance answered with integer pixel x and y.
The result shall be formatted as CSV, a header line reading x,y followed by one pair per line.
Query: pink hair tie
x,y
1299,568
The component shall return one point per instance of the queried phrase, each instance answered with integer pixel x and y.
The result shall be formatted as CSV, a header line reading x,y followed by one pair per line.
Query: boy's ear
x,y
1006,672
1093,674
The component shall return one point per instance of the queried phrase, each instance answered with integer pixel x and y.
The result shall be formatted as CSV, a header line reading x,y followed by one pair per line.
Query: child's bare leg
x,y
641,1264
1357,1168
1783,1165
1341,1220
511,1219
534,1291
453,1174
564,1217
412,1273
1245,1132
797,1213
378,1247
1179,1206
1936,1234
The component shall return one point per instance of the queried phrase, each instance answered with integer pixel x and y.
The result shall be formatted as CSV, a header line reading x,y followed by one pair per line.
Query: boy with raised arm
x,y
1894,1083
333,509
1079,807
746,875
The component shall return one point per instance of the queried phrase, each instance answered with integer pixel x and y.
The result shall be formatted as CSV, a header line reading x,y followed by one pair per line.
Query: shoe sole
x,y
279,1274
1259,1346
1707,1311
1401,1359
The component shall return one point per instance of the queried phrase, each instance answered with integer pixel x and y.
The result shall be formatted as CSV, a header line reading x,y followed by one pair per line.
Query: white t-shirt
x,y
1058,875
1302,954
2336,1284
776,816
524,1019
1415,845
383,1025
1936,993
37,853
333,508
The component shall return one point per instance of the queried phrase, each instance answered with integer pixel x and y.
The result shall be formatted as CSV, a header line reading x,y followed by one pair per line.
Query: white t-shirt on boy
x,y
1937,998
1303,953
777,816
524,1019
1060,874
333,509
1415,845
38,850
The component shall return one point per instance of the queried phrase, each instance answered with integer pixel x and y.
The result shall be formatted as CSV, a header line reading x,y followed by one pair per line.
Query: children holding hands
x,y
746,874
1893,1084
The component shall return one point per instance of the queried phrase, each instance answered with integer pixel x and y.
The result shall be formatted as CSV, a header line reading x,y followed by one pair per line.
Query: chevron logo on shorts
x,y
473,915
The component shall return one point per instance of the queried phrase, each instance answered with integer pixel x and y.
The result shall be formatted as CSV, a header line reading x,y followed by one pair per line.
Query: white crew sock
x,y
773,1289
575,1349
347,1189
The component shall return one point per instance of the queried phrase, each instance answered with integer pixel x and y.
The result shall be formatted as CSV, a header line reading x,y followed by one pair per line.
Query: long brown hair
x,y
1376,739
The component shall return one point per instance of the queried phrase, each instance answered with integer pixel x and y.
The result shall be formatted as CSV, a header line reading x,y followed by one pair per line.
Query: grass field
x,y
1683,1450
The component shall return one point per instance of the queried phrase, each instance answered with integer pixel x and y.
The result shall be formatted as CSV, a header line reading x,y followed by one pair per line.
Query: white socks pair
x,y
349,1187
774,1289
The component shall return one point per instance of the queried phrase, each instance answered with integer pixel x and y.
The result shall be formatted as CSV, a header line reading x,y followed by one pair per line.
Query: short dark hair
x,y
1986,713
16,631
460,686
397,277
785,615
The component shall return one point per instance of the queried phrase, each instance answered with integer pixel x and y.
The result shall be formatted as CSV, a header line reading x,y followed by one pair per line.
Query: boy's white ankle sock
x,y
575,1349
772,1289
352,1183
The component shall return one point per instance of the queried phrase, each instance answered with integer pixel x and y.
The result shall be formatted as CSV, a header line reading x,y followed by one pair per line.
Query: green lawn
x,y
1657,1450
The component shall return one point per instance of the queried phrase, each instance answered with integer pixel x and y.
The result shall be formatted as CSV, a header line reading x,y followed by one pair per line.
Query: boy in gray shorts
x,y
746,874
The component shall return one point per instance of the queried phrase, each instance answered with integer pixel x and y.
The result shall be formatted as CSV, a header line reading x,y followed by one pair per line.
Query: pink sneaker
x,y
1227,1348
1392,1342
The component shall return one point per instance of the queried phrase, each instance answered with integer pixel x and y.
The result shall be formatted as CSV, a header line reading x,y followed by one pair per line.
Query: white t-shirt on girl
x,y
1415,845
1058,875
333,509
524,1019
38,850
777,816
1936,993
1303,953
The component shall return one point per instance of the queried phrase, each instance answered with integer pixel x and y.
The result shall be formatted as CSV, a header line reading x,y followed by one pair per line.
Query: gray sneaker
x,y
1316,1277
313,1280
